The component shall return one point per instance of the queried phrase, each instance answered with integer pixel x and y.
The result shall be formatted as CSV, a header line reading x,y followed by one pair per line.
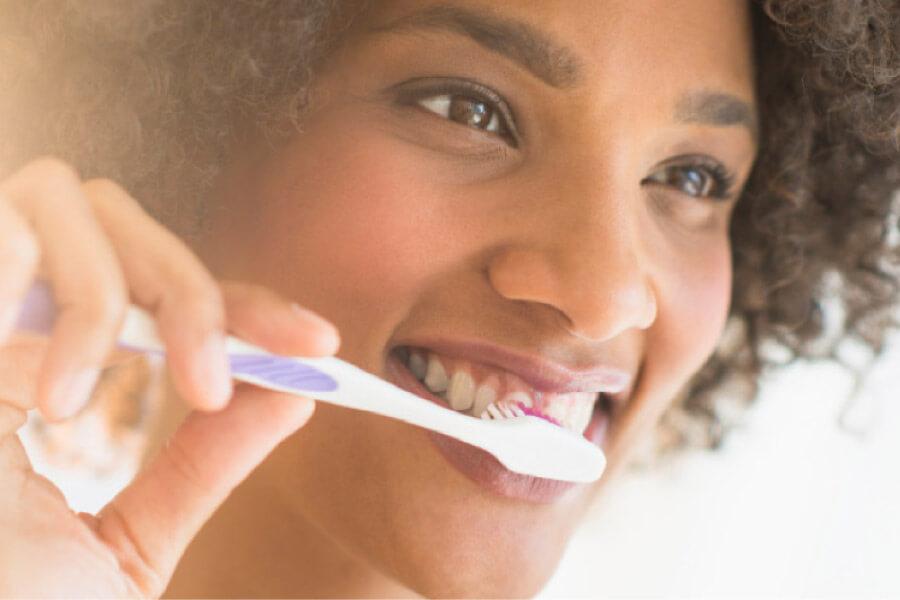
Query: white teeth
x,y
559,412
583,417
572,414
572,411
461,394
417,365
484,397
519,398
436,377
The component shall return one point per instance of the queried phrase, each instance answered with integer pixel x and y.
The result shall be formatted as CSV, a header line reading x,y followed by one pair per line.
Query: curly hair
x,y
150,94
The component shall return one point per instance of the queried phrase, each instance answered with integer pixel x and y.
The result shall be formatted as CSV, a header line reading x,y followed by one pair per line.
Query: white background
x,y
791,506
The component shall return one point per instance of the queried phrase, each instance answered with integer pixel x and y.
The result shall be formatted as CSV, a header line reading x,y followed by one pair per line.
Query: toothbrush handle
x,y
526,444
248,362
39,312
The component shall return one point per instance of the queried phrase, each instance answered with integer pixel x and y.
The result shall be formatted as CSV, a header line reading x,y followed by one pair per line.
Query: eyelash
x,y
415,92
426,89
723,180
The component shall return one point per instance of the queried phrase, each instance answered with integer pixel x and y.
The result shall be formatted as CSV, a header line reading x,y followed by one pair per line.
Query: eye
x,y
462,101
701,177
468,111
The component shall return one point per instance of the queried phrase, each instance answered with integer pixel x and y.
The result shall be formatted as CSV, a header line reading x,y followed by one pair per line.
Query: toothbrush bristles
x,y
503,410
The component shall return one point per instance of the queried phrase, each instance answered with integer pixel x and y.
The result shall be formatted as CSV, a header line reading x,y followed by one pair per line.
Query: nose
x,y
584,260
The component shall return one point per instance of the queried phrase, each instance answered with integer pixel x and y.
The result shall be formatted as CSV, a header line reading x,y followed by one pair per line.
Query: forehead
x,y
619,46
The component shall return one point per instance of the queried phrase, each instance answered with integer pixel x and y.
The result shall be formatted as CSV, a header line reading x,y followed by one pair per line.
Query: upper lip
x,y
539,372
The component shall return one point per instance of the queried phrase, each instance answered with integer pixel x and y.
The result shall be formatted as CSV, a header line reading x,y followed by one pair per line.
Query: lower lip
x,y
480,466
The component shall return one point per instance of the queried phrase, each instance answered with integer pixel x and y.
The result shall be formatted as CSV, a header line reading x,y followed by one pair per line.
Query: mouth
x,y
485,391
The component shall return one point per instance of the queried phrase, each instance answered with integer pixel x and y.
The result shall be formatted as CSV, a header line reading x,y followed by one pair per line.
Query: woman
x,y
529,196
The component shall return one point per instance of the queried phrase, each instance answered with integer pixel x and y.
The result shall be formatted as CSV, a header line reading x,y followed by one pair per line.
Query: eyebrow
x,y
538,53
717,109
556,64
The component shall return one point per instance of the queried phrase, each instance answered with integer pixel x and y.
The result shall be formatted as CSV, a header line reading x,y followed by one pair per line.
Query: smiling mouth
x,y
483,391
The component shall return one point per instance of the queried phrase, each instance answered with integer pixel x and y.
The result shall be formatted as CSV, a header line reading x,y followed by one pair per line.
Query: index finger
x,y
82,269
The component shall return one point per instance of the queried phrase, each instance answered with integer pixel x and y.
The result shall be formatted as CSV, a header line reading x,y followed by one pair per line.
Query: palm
x,y
131,548
55,552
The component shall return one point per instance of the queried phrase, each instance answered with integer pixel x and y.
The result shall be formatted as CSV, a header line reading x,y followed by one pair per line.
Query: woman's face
x,y
533,194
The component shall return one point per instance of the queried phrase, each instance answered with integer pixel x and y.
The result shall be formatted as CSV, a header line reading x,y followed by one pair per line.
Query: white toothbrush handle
x,y
523,444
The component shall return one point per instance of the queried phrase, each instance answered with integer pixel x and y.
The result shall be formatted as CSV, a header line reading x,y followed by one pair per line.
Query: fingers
x,y
262,317
19,254
87,282
167,278
99,250
150,523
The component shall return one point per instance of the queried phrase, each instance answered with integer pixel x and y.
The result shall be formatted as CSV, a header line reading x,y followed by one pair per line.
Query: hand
x,y
99,251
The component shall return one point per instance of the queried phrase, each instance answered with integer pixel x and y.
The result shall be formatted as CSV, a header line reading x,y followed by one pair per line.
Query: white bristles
x,y
502,410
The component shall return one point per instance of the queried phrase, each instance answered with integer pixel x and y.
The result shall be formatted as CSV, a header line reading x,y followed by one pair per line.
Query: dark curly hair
x,y
149,94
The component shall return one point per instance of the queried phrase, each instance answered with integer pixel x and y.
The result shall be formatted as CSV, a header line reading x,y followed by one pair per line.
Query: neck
x,y
258,546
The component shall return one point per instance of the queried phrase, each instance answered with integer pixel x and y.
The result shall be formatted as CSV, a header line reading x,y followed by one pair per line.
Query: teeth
x,y
574,414
572,411
559,412
484,397
519,398
461,394
436,377
417,365
583,418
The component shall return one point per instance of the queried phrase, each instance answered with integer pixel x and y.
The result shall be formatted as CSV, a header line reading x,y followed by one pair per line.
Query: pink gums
x,y
536,413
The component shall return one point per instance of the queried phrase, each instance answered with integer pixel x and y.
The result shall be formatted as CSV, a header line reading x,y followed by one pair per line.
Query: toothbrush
x,y
522,443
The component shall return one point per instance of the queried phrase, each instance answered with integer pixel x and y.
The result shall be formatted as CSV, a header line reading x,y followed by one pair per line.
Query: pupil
x,y
694,183
470,112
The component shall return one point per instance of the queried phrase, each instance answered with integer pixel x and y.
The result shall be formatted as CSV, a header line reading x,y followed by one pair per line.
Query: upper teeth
x,y
417,365
436,376
485,395
496,390
461,393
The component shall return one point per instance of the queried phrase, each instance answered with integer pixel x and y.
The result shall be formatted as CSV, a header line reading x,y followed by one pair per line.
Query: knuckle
x,y
201,297
54,171
47,183
184,464
106,307
102,188
19,248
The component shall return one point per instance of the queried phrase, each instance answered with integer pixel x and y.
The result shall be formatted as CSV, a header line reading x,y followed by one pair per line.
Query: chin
x,y
514,583
400,507
466,569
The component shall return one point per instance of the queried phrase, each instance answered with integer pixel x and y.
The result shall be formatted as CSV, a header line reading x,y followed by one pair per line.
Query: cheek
x,y
693,298
695,307
693,310
693,295
360,223
360,201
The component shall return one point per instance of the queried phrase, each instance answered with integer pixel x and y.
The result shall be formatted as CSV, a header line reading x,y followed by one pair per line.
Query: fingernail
x,y
216,375
73,392
325,326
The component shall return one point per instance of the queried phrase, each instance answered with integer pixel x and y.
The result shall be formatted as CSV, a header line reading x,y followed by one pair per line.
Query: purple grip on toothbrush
x,y
282,371
39,313
38,310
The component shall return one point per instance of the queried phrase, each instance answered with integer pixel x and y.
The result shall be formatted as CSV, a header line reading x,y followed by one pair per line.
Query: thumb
x,y
151,522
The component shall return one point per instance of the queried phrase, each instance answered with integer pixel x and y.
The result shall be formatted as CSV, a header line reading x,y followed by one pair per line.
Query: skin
x,y
575,235
92,244
395,222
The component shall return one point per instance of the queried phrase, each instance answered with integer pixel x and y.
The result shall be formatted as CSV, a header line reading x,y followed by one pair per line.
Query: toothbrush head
x,y
504,410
